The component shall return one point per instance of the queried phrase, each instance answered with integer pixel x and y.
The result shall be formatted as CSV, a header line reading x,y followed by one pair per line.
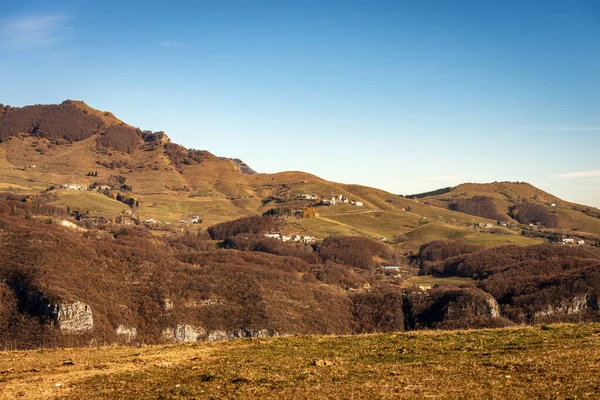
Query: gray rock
x,y
71,317
127,332
577,305
185,333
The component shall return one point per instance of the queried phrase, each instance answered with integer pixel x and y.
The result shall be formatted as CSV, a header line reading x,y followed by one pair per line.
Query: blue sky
x,y
406,96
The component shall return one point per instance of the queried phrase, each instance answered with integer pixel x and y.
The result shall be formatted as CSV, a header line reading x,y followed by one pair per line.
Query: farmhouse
x,y
279,236
73,186
302,239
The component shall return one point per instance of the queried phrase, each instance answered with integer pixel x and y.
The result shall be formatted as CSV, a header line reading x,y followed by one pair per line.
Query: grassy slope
x,y
168,195
558,361
506,194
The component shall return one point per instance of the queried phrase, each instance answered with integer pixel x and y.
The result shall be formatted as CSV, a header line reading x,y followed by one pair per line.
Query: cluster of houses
x,y
293,238
490,225
571,241
331,200
74,186
191,220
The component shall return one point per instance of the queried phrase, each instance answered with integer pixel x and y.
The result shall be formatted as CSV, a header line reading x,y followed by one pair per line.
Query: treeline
x,y
181,156
62,121
251,225
480,206
430,193
531,213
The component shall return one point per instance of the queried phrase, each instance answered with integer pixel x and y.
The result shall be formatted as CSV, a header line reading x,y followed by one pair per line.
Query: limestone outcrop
x,y
71,318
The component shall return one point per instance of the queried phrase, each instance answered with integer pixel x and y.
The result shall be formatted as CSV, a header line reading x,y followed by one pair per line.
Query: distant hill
x,y
504,195
46,147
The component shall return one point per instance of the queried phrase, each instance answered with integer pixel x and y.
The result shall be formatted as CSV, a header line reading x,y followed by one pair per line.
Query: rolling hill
x,y
503,195
45,147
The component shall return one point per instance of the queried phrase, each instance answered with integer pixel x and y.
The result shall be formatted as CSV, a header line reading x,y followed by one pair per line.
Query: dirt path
x,y
353,213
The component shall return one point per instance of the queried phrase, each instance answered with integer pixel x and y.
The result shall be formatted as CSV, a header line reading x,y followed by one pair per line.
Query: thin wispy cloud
x,y
439,178
578,175
33,31
169,43
566,129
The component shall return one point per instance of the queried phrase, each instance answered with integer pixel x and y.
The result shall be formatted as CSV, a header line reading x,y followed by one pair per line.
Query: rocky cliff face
x,y
478,305
570,307
126,332
71,318
453,308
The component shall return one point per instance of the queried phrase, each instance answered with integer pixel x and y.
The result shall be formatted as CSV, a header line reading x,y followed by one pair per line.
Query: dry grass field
x,y
543,362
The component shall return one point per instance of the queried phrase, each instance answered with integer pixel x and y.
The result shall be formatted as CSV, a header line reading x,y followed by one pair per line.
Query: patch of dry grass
x,y
560,361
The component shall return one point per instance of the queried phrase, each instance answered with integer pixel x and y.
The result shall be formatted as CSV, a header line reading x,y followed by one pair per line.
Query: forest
x,y
231,277
537,283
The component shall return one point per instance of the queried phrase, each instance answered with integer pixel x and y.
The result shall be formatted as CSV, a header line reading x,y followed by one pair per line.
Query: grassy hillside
x,y
506,194
556,361
172,183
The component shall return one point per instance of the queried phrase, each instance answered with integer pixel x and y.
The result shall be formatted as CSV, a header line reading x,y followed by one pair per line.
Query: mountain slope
x,y
48,146
570,216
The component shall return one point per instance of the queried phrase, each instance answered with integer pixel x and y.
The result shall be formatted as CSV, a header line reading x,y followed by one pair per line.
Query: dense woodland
x,y
61,121
480,206
542,282
531,213
233,277
120,137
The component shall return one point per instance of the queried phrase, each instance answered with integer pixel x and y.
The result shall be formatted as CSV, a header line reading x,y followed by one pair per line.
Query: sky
x,y
406,96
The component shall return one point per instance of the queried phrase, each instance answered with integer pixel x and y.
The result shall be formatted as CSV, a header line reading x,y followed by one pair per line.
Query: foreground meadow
x,y
557,361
